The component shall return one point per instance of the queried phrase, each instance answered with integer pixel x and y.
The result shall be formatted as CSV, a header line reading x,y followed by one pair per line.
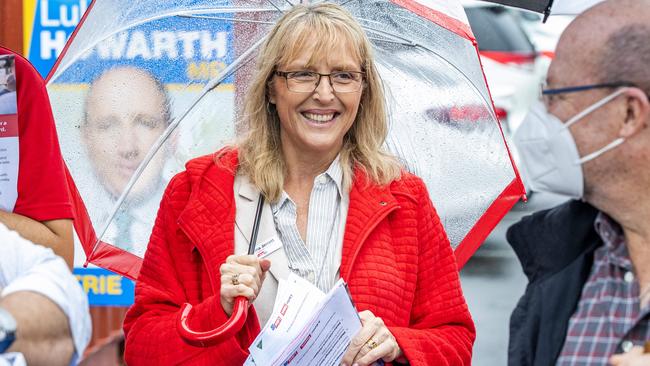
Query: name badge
x,y
267,247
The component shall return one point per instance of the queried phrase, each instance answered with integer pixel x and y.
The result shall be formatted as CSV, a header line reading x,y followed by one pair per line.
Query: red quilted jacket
x,y
396,260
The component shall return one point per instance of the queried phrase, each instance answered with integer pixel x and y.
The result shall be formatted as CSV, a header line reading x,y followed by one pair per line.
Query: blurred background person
x,y
126,110
42,212
44,317
587,261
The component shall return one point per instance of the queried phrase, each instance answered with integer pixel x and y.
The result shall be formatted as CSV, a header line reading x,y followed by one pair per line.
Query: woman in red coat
x,y
337,206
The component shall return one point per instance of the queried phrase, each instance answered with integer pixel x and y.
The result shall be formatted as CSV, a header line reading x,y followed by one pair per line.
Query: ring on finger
x,y
372,344
235,279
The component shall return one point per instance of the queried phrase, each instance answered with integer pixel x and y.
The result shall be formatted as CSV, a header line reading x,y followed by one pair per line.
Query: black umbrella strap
x,y
547,11
256,224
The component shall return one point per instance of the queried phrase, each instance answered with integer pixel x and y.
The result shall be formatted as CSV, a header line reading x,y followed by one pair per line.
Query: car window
x,y
496,29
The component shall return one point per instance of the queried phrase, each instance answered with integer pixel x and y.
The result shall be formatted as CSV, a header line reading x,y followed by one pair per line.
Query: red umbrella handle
x,y
212,337
239,311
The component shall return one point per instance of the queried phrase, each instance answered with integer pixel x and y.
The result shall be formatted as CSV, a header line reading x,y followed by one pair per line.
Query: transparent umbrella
x,y
143,86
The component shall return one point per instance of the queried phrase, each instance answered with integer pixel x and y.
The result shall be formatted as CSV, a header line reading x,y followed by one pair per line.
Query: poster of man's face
x,y
126,111
8,103
113,103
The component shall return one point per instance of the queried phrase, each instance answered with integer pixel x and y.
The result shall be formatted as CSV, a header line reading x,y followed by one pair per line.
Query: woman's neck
x,y
302,168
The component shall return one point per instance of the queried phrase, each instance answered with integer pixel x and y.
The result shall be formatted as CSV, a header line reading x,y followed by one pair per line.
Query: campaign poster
x,y
47,25
116,100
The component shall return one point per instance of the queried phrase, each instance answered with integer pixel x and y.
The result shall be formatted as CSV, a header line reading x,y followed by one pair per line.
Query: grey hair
x,y
626,56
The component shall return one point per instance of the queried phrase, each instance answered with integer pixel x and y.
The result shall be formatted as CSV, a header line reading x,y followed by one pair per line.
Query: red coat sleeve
x,y
441,330
162,288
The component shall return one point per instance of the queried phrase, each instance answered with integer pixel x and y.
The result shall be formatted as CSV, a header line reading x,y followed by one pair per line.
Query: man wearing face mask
x,y
588,260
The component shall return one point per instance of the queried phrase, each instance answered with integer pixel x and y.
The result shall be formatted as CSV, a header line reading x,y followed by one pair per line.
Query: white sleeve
x,y
12,359
28,267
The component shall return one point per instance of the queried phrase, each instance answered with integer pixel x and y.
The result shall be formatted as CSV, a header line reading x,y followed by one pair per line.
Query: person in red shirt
x,y
43,211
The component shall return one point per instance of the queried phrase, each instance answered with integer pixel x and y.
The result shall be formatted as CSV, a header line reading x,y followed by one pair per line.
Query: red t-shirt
x,y
42,187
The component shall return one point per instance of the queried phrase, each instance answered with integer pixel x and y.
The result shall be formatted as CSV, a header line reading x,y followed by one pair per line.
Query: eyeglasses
x,y
307,81
548,95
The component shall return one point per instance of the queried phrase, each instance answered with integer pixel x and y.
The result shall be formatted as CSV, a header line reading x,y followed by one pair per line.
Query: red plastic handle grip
x,y
212,337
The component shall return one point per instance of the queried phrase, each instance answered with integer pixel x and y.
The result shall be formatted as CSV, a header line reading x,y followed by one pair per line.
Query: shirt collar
x,y
615,244
334,173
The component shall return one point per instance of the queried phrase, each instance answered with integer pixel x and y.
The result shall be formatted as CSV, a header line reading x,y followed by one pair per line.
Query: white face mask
x,y
549,153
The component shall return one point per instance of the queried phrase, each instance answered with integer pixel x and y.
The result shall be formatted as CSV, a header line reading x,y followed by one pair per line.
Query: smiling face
x,y
314,124
125,115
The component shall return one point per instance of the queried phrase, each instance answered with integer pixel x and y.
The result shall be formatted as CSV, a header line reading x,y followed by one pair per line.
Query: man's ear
x,y
637,112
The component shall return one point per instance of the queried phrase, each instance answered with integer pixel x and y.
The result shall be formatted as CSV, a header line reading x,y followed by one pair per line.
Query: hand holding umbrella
x,y
241,281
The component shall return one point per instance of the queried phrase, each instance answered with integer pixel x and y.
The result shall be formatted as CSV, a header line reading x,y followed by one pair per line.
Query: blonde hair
x,y
260,152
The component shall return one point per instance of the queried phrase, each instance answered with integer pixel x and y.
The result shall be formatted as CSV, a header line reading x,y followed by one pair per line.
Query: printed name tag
x,y
267,247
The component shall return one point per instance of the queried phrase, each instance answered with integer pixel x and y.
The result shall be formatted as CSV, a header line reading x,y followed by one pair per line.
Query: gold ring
x,y
372,344
235,279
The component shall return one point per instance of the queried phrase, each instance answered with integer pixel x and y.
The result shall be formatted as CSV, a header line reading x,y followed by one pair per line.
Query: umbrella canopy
x,y
144,86
550,7
540,6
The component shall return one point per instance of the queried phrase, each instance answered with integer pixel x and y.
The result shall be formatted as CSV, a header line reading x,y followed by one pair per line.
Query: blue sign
x,y
175,49
105,288
47,27
185,49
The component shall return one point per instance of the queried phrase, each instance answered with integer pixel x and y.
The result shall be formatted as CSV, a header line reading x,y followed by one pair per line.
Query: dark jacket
x,y
555,248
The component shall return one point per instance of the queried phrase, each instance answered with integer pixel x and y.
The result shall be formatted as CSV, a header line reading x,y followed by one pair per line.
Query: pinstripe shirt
x,y
318,260
609,318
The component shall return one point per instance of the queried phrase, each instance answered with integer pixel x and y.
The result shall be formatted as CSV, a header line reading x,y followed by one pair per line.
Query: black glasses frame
x,y
286,75
547,95
574,89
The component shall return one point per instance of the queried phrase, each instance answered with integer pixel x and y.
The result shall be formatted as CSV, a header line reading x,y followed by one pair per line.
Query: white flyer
x,y
9,153
307,327
297,299
326,336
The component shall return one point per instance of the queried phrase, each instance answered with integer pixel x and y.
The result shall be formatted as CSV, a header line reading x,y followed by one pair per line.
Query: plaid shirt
x,y
609,318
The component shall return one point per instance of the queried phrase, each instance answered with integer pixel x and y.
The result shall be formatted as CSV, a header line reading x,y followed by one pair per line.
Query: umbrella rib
x,y
392,41
228,19
394,36
234,66
409,42
346,2
275,6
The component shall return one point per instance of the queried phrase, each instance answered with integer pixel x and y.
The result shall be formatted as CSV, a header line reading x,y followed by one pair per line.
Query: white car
x,y
543,35
512,65
509,60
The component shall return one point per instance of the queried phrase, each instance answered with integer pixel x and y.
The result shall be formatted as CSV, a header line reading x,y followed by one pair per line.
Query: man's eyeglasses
x,y
548,95
307,81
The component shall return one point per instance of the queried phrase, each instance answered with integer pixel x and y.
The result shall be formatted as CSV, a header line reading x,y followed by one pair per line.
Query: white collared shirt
x,y
28,267
318,260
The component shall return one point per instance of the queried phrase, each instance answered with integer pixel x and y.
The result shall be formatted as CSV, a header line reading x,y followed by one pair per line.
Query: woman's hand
x,y
635,357
373,342
241,275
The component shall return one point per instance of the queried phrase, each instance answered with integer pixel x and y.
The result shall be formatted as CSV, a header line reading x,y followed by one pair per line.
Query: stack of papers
x,y
306,327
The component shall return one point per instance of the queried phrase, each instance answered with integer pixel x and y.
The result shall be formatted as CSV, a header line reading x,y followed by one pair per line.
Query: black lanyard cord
x,y
256,225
